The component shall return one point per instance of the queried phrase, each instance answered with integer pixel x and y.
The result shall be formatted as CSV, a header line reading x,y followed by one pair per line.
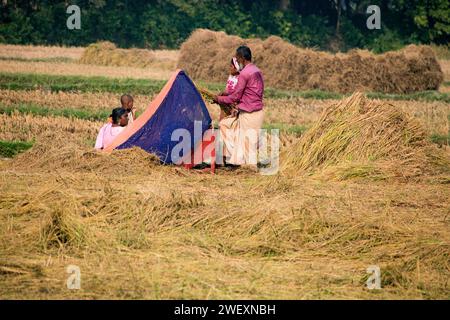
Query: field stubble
x,y
169,231
140,230
40,52
76,69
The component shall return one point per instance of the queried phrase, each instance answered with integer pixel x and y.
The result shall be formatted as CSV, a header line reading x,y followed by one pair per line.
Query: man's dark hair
x,y
116,114
244,52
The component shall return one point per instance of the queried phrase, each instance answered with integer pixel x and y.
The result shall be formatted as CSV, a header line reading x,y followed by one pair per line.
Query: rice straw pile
x,y
67,152
285,66
107,54
363,137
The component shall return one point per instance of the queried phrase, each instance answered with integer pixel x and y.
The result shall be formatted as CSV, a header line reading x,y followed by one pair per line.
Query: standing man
x,y
240,133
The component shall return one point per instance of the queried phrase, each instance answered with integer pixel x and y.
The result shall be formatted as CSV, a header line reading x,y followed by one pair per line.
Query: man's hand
x,y
216,99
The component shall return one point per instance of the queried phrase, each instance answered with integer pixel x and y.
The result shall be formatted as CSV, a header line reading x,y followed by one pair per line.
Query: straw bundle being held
x,y
209,96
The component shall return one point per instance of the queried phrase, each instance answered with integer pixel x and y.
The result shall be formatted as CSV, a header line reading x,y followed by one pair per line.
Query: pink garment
x,y
107,135
249,91
231,84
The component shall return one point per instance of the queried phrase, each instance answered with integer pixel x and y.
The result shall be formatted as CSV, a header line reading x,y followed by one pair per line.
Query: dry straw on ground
x,y
139,230
367,138
67,151
103,59
77,69
445,66
107,54
26,127
70,100
40,52
414,68
292,239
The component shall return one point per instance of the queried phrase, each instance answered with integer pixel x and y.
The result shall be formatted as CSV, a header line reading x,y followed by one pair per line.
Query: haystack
x,y
362,137
66,152
107,54
285,66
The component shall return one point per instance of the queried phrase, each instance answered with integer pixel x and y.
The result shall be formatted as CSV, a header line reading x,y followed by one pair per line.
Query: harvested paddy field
x,y
362,182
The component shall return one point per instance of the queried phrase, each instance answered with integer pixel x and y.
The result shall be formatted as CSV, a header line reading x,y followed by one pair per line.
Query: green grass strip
x,y
55,59
21,81
9,149
37,110
427,96
286,128
440,139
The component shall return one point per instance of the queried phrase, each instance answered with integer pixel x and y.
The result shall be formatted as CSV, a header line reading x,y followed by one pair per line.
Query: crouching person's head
x,y
119,117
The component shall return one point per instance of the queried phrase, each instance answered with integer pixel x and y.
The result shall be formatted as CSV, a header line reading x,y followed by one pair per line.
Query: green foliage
x,y
18,30
314,32
432,19
353,37
166,24
387,40
440,139
9,149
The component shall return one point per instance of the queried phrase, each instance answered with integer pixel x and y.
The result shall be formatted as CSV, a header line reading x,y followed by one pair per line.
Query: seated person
x,y
111,130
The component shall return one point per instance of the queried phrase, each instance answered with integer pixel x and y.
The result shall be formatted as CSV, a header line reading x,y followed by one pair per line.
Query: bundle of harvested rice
x,y
66,151
362,137
209,96
285,66
63,228
107,54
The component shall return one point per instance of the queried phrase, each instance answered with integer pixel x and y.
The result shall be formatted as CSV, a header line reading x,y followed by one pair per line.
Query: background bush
x,y
167,23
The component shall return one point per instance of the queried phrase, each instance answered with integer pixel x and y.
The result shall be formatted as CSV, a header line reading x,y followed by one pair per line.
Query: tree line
x,y
323,24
